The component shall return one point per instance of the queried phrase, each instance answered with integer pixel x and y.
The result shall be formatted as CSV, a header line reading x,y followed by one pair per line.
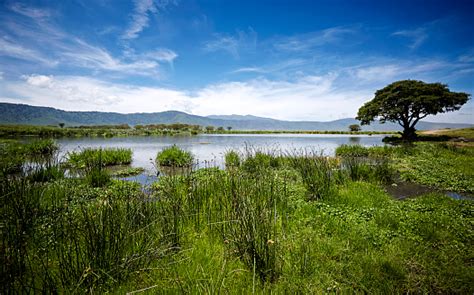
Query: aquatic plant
x,y
90,157
232,159
175,157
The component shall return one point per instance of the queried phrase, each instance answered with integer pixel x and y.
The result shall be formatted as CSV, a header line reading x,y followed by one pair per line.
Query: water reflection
x,y
209,149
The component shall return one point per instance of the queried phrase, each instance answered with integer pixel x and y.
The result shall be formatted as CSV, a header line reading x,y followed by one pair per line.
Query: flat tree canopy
x,y
407,102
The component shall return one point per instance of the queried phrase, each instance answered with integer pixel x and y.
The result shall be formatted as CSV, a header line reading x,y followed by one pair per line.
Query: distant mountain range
x,y
33,115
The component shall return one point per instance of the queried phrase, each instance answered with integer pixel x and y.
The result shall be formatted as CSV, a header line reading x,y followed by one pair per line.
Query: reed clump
x,y
106,157
174,156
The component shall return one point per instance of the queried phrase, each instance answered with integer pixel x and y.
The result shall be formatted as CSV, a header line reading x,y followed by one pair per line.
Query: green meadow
x,y
267,223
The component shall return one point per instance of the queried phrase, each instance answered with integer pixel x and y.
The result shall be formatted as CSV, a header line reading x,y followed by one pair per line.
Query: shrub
x,y
175,157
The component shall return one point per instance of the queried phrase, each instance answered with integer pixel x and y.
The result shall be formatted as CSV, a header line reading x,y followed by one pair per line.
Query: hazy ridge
x,y
33,115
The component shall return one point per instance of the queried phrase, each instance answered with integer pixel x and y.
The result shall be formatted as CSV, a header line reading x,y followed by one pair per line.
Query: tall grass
x,y
106,157
318,174
174,156
370,164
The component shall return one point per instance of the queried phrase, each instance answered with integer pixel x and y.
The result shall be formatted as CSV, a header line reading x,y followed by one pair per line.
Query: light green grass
x,y
174,156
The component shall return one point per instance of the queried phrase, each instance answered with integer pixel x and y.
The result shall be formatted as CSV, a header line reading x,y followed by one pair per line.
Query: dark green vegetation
x,y
407,102
354,127
281,223
13,131
175,157
14,114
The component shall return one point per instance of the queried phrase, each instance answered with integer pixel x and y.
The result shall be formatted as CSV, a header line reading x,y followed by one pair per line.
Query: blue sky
x,y
293,60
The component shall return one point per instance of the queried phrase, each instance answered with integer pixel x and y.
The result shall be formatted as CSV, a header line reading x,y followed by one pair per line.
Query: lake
x,y
209,149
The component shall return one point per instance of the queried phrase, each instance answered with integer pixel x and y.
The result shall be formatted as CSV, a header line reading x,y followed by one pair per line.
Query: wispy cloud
x,y
32,12
285,66
66,50
233,44
467,57
12,49
249,70
304,42
162,54
417,36
400,69
140,17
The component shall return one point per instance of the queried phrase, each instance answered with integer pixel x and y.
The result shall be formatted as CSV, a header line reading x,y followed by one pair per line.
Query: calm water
x,y
209,149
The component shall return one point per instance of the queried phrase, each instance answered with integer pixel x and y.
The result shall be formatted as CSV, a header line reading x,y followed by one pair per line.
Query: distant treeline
x,y
145,130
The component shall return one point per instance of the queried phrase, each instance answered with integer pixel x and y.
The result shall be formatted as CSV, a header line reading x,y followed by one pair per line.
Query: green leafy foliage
x,y
408,101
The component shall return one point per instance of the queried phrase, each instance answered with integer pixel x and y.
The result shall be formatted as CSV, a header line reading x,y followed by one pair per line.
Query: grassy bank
x,y
445,165
301,132
467,133
289,223
12,131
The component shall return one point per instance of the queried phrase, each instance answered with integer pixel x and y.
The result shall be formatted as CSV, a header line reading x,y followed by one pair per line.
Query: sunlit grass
x,y
269,223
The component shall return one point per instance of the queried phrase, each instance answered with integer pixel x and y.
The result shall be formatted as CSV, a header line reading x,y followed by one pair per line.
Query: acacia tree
x,y
407,102
354,128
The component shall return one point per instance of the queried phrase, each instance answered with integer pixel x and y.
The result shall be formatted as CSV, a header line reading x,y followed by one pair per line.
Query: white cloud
x,y
249,70
305,42
12,49
32,12
28,37
318,98
162,54
82,54
242,41
41,81
67,50
308,98
377,72
386,72
141,16
418,36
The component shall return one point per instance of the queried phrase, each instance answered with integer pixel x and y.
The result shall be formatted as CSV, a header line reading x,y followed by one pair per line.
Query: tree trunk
x,y
408,132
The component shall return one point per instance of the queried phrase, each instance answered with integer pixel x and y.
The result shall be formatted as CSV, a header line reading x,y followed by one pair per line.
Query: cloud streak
x,y
233,44
68,51
32,12
15,50
417,36
306,42
140,17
